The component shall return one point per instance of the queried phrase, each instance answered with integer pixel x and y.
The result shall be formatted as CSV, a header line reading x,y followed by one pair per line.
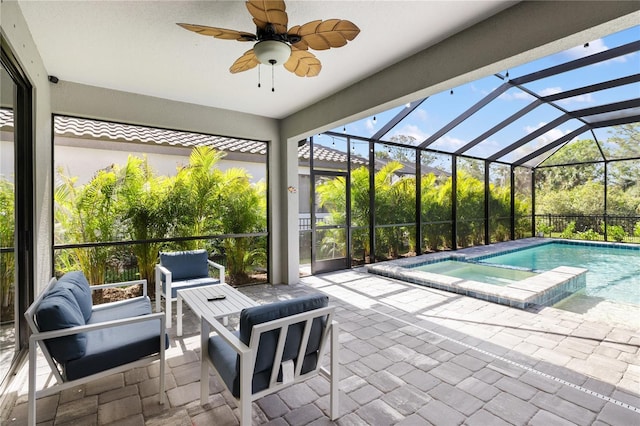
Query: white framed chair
x,y
179,270
82,342
277,345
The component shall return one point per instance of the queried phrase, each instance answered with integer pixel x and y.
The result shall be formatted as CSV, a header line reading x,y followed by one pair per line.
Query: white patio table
x,y
197,300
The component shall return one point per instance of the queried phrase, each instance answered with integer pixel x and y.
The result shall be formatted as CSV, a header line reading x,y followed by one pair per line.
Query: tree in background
x,y
87,214
576,185
7,234
395,204
470,209
196,194
132,202
436,207
242,210
145,212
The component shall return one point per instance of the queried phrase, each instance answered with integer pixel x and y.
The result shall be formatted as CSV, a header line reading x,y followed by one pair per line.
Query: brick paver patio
x,y
409,355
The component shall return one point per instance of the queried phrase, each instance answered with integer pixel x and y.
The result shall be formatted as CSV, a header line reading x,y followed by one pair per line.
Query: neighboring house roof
x,y
82,127
323,153
96,129
6,119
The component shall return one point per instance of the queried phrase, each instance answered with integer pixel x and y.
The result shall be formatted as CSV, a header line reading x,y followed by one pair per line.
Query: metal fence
x,y
589,225
108,262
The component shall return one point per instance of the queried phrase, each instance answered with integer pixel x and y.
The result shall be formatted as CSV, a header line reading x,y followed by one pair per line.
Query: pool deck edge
x,y
544,289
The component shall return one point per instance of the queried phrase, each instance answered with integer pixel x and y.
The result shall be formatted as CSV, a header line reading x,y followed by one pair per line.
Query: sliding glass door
x,y
16,210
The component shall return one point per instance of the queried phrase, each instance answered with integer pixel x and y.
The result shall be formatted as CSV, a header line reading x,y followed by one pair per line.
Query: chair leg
x,y
204,361
158,291
31,404
245,390
335,376
167,308
162,367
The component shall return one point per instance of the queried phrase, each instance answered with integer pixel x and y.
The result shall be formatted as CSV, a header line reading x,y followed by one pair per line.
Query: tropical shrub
x,y
242,210
544,229
569,231
395,211
589,234
616,232
145,212
132,202
88,214
7,233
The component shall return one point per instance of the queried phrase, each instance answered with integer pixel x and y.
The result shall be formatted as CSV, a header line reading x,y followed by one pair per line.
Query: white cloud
x,y
448,143
587,98
485,148
410,130
577,52
513,95
550,136
594,47
421,114
580,99
550,91
371,128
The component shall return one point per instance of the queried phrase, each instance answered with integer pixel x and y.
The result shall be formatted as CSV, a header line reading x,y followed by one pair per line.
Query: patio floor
x,y
408,355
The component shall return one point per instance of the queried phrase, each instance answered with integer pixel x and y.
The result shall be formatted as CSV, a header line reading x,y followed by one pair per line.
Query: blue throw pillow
x,y
185,264
76,282
58,309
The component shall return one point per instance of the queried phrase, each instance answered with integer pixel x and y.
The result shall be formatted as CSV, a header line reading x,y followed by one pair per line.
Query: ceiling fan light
x,y
272,52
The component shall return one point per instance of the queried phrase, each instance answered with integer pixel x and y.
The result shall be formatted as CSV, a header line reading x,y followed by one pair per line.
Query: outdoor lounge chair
x,y
82,342
179,270
278,344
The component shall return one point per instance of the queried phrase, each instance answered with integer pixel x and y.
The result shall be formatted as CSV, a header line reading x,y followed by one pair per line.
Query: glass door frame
x,y
24,201
322,266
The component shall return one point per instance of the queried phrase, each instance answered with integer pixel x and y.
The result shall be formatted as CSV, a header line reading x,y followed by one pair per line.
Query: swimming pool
x,y
472,271
613,270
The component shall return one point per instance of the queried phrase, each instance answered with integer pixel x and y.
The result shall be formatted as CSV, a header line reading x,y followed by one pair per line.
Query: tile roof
x,y
6,119
85,128
82,127
323,153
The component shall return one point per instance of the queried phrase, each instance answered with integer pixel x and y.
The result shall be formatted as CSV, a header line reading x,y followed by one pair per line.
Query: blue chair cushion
x,y
225,359
191,283
185,264
59,309
76,282
114,346
227,362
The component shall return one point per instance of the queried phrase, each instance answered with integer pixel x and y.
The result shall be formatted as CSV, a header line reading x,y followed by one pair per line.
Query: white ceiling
x,y
136,46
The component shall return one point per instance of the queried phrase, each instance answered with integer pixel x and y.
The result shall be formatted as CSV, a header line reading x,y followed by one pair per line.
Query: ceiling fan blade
x,y
322,35
222,33
245,62
269,12
303,63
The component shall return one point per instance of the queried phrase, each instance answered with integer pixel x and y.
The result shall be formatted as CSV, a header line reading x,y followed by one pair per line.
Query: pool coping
x,y
545,289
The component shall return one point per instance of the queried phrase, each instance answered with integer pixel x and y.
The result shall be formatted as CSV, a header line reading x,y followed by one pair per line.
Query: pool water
x,y
613,273
475,272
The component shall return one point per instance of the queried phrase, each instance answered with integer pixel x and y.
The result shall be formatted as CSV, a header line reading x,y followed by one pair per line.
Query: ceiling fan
x,y
277,45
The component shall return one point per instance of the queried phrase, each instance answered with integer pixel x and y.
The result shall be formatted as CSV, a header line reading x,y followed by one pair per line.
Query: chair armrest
x,y
219,267
122,284
228,337
90,327
163,271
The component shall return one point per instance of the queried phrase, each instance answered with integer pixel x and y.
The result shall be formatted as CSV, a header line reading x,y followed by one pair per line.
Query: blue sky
x,y
443,107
